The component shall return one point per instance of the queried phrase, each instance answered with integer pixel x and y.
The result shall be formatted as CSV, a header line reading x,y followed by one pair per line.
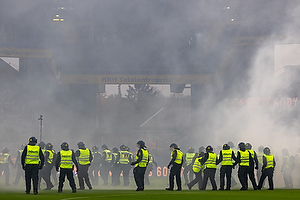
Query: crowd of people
x,y
40,162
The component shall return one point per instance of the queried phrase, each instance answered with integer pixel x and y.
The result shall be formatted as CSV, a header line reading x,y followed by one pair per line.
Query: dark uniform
x,y
197,169
209,161
251,166
176,162
18,165
124,160
45,173
188,165
149,169
5,160
141,162
85,157
64,164
287,169
32,160
243,158
267,169
226,157
260,155
95,165
115,171
105,164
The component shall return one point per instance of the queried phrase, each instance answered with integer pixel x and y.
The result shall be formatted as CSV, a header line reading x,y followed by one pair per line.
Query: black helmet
x,y
32,140
201,149
5,150
201,154
127,148
242,145
95,148
267,151
174,145
49,146
209,149
248,146
226,147
81,145
42,144
64,146
141,143
191,150
230,144
104,147
260,149
123,147
115,150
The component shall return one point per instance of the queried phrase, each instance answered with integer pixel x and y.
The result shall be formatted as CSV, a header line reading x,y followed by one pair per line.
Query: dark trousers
x,y
242,174
93,172
54,177
139,174
115,175
5,168
175,172
266,173
209,173
45,174
62,175
31,173
20,174
188,170
198,180
148,170
104,171
125,169
226,170
287,177
83,176
252,177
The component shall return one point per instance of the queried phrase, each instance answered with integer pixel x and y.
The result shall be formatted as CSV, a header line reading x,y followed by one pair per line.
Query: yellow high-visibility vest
x,y
270,161
211,161
227,157
145,159
179,156
189,158
245,158
66,159
84,157
33,155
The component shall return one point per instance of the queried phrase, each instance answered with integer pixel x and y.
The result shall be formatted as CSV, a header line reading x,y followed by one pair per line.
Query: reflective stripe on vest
x,y
245,158
178,159
252,153
150,159
108,157
33,155
4,158
50,157
124,157
197,167
145,158
211,161
66,159
227,157
189,158
270,161
84,157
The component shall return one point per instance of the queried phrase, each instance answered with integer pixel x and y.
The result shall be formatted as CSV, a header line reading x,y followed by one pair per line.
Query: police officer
x,y
42,145
286,169
141,162
84,157
188,164
5,160
251,166
243,158
105,164
197,169
64,164
115,171
209,161
149,169
45,173
124,161
267,169
19,166
226,158
32,160
176,162
233,177
95,165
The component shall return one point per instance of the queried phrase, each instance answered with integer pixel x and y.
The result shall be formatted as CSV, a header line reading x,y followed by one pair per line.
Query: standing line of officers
x,y
204,166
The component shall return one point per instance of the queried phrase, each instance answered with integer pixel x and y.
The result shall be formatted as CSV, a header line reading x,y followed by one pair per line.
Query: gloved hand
x,y
169,166
132,163
256,167
40,167
23,167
